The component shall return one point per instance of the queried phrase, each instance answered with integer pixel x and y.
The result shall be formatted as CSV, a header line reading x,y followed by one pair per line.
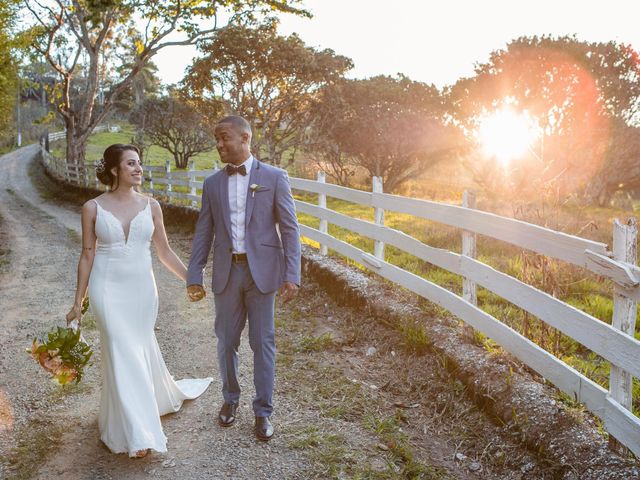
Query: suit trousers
x,y
239,301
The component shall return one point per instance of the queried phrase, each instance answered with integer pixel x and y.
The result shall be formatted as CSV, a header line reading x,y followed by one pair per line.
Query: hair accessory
x,y
100,166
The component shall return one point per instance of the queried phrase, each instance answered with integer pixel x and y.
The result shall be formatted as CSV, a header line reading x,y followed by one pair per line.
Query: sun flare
x,y
507,134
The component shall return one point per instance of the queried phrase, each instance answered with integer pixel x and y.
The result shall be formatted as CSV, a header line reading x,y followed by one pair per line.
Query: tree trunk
x,y
181,161
138,91
391,183
257,143
76,145
597,191
274,158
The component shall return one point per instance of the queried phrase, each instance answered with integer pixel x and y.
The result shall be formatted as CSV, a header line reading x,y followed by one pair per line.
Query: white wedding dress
x,y
137,388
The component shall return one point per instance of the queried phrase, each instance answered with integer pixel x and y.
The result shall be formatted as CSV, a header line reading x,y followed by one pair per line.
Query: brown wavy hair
x,y
111,158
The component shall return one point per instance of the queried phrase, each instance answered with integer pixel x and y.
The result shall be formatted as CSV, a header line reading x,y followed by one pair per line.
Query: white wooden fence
x,y
161,181
615,343
57,136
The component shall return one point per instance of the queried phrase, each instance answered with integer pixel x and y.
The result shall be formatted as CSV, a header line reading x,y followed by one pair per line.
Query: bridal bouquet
x,y
64,353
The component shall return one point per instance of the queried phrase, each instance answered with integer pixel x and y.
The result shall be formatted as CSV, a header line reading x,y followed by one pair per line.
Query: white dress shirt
x,y
238,188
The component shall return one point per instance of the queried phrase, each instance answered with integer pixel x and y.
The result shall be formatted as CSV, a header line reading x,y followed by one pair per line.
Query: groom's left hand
x,y
288,291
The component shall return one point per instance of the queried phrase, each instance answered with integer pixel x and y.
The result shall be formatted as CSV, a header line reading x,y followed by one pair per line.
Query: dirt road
x,y
352,400
38,280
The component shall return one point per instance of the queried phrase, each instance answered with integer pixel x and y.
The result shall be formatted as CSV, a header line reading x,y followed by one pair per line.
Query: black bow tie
x,y
232,170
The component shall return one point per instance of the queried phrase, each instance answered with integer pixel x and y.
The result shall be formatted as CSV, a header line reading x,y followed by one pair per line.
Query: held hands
x,y
196,293
288,291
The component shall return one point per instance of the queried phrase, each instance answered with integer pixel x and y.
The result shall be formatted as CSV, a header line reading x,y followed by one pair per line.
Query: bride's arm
x,y
85,263
166,255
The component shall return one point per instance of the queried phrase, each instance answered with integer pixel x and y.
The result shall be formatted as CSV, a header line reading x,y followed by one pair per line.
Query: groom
x,y
249,218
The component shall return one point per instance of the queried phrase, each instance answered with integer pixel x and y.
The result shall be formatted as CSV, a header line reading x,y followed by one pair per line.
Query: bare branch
x,y
108,24
72,26
75,60
80,14
43,7
201,35
56,66
146,31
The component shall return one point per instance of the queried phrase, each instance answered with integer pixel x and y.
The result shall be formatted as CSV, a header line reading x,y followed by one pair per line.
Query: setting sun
x,y
506,134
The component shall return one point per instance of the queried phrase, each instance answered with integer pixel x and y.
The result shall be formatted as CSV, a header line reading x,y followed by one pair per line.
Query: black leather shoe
x,y
227,414
263,429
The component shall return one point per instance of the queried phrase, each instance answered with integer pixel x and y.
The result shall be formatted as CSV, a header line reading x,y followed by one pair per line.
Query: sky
x,y
437,42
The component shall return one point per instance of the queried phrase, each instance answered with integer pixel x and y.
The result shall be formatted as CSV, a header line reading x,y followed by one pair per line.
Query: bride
x,y
115,268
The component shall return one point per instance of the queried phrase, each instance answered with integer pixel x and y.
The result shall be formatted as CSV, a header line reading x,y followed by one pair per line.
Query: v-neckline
x,y
125,233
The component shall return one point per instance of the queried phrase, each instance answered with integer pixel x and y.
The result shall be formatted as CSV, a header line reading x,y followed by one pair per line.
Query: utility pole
x,y
18,115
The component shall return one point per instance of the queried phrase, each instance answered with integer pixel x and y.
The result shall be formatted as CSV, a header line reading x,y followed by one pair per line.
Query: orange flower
x,y
65,374
53,364
43,358
34,346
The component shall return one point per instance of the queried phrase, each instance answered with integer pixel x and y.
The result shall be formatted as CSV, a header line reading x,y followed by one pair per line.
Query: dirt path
x,y
350,402
37,286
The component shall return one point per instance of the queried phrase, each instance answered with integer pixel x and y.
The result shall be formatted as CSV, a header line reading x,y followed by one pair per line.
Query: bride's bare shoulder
x,y
89,209
91,205
155,206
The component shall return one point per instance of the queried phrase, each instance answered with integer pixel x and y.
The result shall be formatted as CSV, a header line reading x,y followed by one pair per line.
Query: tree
x,y
573,89
620,170
391,127
8,65
175,124
144,84
322,143
267,78
86,40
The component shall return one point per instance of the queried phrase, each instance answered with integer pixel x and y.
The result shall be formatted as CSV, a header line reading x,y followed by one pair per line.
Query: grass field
x,y
154,156
573,285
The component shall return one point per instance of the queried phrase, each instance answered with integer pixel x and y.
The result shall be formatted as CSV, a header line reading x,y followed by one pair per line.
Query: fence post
x,y
322,203
95,174
469,250
378,214
85,175
150,177
624,312
192,179
167,169
43,155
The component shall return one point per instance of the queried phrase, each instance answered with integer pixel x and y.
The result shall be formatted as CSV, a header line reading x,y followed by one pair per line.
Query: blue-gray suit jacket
x,y
273,258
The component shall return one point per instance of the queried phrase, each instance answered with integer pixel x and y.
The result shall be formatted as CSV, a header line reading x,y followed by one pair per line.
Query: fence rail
x,y
614,343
